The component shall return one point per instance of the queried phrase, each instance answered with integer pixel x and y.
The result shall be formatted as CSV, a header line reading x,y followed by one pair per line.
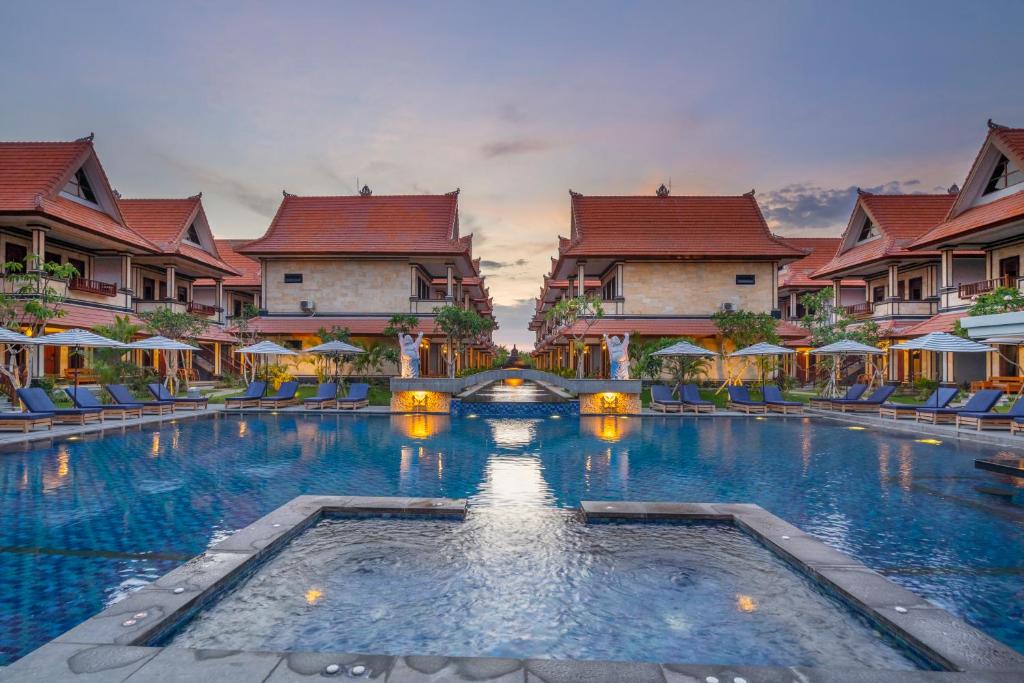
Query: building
x,y
355,261
662,265
57,205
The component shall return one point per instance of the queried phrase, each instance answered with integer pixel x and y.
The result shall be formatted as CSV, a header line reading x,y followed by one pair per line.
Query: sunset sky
x,y
515,104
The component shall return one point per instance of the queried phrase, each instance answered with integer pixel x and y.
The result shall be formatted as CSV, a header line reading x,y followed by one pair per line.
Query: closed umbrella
x,y
77,340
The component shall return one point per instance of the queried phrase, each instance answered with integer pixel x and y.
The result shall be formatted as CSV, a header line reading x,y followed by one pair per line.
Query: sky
x,y
516,104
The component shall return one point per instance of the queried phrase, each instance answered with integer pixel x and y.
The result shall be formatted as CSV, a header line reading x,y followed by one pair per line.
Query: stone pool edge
x,y
111,646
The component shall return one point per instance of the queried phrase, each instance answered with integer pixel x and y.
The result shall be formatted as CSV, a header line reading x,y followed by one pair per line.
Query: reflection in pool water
x,y
86,520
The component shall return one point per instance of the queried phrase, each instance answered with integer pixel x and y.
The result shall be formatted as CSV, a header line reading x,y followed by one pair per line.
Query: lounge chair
x,y
326,397
689,394
358,397
854,392
871,404
251,397
285,396
25,421
981,402
36,400
739,399
1017,425
83,398
123,397
990,419
773,397
662,401
940,398
162,393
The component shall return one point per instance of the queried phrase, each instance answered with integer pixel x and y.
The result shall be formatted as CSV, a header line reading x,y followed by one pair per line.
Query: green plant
x,y
276,375
827,325
325,361
178,325
375,355
245,335
575,316
459,325
401,323
110,364
923,387
999,300
645,365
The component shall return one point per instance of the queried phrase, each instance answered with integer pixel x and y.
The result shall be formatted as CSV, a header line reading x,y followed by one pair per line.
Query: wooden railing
x,y
969,290
81,284
863,308
201,309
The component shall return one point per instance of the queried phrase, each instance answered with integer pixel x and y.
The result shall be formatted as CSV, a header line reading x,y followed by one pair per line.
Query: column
x,y
262,298
893,285
837,293
581,278
37,257
172,289
792,305
619,286
945,285
450,275
221,304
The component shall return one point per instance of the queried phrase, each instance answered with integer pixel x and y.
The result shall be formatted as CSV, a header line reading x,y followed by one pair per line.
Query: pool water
x,y
561,589
85,521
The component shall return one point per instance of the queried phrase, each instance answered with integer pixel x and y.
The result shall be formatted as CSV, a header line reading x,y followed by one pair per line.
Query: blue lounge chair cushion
x,y
1015,411
356,393
162,393
253,391
939,398
83,398
773,396
663,395
123,397
877,397
23,416
38,402
689,393
981,402
327,391
285,393
741,395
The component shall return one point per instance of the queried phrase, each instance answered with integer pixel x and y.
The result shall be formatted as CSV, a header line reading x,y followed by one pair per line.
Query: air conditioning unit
x,y
307,306
727,306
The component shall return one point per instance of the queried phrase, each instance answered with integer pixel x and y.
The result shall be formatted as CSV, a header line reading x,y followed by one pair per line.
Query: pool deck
x,y
115,645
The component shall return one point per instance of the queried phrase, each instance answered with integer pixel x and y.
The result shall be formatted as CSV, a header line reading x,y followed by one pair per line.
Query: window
x,y
192,235
53,258
183,294
294,344
148,289
293,278
916,287
869,231
238,303
422,288
745,279
79,265
1005,174
900,289
79,187
610,289
878,293
15,253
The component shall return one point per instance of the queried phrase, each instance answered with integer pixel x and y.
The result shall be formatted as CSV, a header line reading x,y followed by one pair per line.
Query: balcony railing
x,y
969,290
81,284
899,307
861,310
201,309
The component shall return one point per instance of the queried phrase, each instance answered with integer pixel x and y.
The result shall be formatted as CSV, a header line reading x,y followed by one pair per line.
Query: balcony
x,y
144,305
425,306
896,308
81,284
969,290
201,309
861,310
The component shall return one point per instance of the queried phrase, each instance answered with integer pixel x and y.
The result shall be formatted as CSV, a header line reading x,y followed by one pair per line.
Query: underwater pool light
x,y
930,442
856,429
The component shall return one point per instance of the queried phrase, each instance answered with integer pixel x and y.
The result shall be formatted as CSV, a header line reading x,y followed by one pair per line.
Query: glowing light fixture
x,y
745,603
930,442
856,429
313,596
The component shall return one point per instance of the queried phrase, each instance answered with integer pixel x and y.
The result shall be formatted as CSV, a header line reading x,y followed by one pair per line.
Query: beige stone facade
x,y
696,288
337,285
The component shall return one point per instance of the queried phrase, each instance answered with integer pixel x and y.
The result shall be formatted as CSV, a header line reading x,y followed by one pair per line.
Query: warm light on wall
x,y
514,381
610,401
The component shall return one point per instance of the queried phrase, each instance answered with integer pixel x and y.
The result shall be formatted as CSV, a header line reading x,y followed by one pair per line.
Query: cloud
x,y
497,265
511,112
805,206
514,319
504,148
208,180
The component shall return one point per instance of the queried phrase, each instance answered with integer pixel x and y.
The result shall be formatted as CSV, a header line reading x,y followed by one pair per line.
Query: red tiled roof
x,y
31,175
87,317
822,249
900,218
683,227
672,327
1013,138
163,222
396,224
248,269
943,322
975,219
311,324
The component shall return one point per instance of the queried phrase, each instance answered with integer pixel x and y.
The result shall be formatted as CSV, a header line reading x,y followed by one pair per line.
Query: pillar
x,y
837,293
619,286
792,305
450,275
38,254
172,288
893,282
221,304
581,278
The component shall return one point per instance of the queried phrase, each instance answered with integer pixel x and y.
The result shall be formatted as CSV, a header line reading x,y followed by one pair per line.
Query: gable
x,y
86,183
997,172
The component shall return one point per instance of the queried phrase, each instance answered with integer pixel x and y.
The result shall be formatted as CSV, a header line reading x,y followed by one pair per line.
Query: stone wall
x,y
421,402
338,285
610,404
697,288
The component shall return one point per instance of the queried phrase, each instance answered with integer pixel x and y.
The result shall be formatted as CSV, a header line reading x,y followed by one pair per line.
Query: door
x,y
1009,270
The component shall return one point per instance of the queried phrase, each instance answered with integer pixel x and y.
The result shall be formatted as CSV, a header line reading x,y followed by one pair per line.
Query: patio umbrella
x,y
336,347
841,349
77,340
943,342
266,348
684,348
761,349
159,343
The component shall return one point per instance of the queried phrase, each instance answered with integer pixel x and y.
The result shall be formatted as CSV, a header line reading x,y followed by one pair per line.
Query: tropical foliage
x,y
999,300
245,334
178,325
586,310
826,325
111,365
459,326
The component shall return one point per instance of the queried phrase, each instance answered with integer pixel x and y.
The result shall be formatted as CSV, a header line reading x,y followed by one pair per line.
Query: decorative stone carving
x,y
410,350
618,356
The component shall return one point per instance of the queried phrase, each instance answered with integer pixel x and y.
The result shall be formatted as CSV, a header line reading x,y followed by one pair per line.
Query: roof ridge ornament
x,y
992,125
117,195
751,193
861,192
662,191
286,193
196,196
574,193
365,191
87,138
953,189
453,193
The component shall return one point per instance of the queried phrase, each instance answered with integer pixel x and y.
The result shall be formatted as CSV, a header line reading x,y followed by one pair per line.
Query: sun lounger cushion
x,y
1015,411
357,393
38,402
285,393
663,395
24,416
689,393
981,402
123,397
741,395
327,391
877,397
84,398
162,393
773,396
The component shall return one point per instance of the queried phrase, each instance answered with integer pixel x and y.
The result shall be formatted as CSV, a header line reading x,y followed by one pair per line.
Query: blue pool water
x,y
85,521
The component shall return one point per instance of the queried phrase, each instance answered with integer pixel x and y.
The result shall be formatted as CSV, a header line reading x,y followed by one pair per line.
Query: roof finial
x,y
286,193
861,192
574,193
954,189
366,191
992,125
751,193
117,195
87,138
197,196
662,191
455,192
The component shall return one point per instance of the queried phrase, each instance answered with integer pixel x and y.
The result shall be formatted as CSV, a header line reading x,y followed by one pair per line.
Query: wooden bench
x,y
1011,384
85,375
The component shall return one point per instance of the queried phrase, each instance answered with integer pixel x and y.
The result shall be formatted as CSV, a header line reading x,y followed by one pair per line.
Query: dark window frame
x,y
1005,174
746,279
293,278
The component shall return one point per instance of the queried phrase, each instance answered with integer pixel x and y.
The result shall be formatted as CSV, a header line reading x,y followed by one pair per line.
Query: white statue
x,y
410,350
618,356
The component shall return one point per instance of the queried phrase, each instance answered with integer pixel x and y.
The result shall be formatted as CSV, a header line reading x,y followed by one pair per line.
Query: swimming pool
x,y
86,520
